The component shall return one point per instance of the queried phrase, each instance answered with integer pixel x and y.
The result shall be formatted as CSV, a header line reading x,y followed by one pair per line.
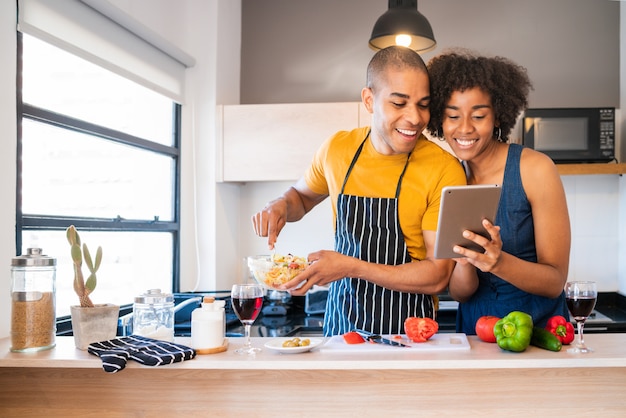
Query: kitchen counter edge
x,y
608,352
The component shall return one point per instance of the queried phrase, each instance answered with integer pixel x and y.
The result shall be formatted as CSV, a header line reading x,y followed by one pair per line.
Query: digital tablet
x,y
463,208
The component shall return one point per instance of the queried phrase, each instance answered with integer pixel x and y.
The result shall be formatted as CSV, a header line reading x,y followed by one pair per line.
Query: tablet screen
x,y
463,208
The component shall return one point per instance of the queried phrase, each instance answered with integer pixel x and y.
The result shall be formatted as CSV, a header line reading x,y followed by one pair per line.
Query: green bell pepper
x,y
514,331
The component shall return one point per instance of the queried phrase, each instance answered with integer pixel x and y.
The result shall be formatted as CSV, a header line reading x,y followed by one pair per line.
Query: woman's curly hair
x,y
506,82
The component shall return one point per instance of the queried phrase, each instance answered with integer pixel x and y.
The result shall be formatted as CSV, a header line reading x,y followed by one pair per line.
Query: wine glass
x,y
581,299
247,301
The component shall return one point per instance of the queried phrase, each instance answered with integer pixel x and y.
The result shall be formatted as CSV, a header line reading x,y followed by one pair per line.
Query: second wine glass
x,y
247,301
581,299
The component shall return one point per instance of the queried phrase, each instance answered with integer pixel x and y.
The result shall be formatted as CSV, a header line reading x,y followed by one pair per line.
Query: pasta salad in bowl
x,y
272,271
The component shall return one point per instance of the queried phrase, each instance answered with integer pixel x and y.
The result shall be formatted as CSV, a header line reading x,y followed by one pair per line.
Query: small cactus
x,y
83,288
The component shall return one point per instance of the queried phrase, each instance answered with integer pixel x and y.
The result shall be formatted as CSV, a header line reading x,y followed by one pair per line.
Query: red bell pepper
x,y
561,328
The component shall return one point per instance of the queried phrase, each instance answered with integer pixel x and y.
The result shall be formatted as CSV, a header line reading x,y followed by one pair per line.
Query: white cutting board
x,y
438,342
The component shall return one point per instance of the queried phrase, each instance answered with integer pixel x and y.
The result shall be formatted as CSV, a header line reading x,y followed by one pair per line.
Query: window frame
x,y
56,223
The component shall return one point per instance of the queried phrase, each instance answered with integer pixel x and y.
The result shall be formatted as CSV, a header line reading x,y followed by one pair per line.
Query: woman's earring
x,y
499,136
441,138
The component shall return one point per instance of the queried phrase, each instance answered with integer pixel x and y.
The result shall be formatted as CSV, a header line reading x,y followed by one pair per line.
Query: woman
x,y
475,101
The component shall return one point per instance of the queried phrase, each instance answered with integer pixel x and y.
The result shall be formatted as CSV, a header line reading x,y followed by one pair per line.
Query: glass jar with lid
x,y
153,315
33,301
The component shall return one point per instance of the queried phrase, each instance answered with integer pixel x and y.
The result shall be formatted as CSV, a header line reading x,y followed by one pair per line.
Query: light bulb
x,y
403,40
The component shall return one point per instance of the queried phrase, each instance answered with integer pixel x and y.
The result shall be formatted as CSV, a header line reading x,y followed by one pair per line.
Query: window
x,y
100,152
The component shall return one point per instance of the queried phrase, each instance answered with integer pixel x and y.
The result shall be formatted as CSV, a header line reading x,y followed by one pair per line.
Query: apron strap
x,y
402,175
356,157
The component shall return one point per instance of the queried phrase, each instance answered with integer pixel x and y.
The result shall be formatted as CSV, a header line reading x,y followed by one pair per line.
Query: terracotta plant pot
x,y
95,324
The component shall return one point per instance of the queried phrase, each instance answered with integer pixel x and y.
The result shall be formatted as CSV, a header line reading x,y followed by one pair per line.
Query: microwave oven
x,y
571,135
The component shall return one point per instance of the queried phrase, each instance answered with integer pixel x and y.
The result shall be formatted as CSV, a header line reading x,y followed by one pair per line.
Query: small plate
x,y
277,345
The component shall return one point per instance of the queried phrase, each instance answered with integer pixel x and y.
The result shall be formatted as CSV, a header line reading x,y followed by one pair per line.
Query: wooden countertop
x,y
593,168
483,381
609,351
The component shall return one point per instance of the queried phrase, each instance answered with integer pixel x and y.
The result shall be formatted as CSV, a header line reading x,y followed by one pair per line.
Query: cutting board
x,y
438,342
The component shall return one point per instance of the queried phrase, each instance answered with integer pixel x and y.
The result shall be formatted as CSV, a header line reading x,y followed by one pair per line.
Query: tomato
x,y
419,330
484,328
353,337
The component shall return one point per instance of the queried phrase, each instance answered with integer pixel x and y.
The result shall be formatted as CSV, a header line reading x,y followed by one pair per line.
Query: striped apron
x,y
369,229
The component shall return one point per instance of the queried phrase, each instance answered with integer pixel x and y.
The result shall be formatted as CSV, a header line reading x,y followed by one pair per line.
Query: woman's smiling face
x,y
468,123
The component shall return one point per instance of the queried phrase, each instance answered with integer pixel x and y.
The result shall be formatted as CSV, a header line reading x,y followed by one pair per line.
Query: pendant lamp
x,y
403,25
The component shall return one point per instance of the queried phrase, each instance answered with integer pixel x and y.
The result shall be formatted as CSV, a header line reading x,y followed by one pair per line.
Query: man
x,y
385,182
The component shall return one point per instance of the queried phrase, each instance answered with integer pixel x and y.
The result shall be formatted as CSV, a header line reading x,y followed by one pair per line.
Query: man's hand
x,y
290,207
325,267
270,221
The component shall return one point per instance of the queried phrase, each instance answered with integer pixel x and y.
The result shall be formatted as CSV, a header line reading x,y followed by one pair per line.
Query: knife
x,y
378,339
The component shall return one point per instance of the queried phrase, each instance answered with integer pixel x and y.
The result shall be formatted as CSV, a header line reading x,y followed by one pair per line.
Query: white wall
x,y
313,232
7,158
594,202
621,228
622,154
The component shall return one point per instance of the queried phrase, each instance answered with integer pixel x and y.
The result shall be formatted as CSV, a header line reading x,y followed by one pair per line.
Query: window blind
x,y
115,41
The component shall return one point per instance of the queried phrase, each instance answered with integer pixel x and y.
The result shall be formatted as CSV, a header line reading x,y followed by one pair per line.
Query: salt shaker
x,y
208,325
33,301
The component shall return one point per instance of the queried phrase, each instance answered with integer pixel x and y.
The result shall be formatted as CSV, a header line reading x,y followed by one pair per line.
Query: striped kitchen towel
x,y
148,351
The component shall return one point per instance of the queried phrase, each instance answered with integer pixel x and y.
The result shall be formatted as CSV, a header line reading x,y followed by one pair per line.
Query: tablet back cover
x,y
463,208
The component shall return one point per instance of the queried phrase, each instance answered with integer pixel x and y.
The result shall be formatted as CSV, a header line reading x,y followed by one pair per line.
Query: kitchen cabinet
x,y
483,381
276,142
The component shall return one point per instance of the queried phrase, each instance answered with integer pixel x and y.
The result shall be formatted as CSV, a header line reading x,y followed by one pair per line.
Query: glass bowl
x,y
272,271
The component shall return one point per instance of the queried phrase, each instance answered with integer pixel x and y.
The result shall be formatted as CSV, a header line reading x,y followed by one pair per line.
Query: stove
x,y
596,317
287,317
280,316
284,326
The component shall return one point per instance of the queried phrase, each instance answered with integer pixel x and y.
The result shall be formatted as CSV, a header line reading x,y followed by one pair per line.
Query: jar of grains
x,y
33,314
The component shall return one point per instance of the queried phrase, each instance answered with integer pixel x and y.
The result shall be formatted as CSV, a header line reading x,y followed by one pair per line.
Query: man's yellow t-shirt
x,y
430,169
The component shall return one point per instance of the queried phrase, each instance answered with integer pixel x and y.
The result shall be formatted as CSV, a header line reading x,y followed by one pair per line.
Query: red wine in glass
x,y
247,309
247,301
581,307
581,299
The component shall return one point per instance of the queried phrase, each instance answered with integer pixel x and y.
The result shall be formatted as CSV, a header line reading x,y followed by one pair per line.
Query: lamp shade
x,y
402,20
